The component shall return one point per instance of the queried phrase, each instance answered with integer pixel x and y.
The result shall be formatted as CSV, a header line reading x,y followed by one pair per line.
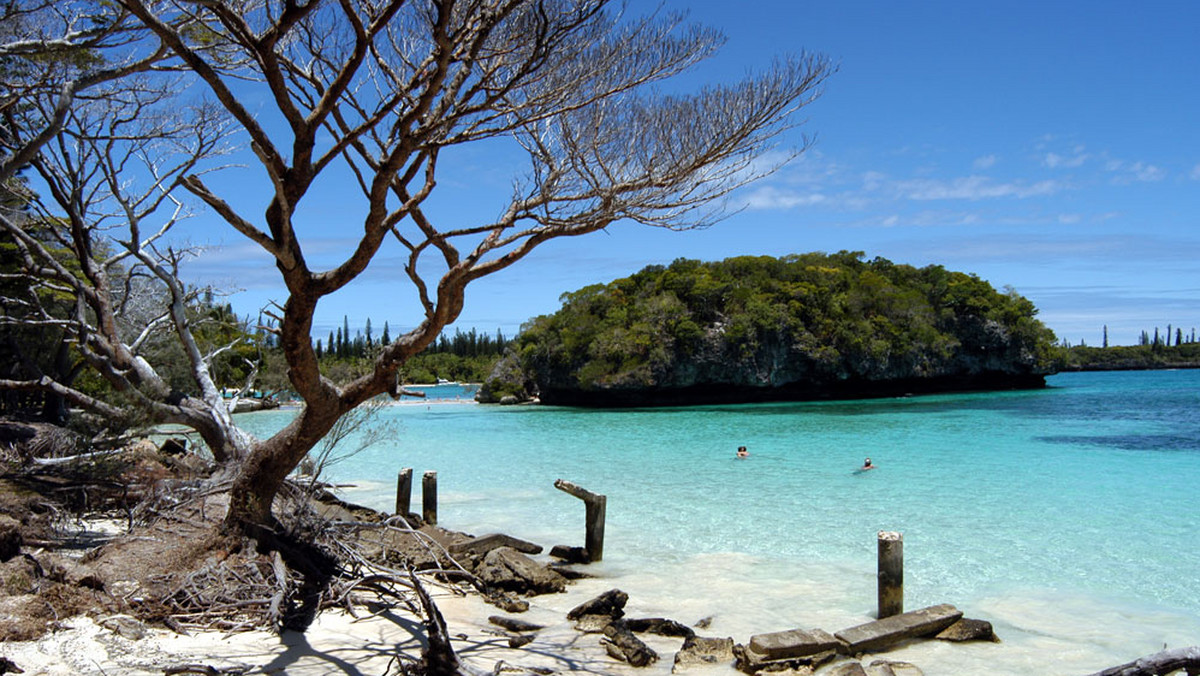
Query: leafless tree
x,y
51,52
96,236
380,90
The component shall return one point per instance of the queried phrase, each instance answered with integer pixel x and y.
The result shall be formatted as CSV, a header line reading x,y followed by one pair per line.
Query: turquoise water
x,y
1073,504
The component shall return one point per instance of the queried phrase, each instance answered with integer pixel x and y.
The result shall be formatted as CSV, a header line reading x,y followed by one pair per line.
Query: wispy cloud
x,y
973,188
777,198
1135,172
1056,161
1195,175
985,162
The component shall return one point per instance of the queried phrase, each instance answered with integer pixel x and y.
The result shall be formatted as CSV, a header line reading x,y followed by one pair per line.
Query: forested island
x,y
757,328
1143,357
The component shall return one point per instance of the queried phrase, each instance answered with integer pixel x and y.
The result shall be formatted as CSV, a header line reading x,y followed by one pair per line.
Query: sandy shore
x,y
1037,640
336,644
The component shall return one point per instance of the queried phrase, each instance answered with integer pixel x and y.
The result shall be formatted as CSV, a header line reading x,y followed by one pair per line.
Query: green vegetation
x,y
1172,348
463,357
799,322
1132,357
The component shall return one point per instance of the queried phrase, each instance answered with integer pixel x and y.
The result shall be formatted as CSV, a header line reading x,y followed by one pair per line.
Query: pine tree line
x,y
340,344
1165,339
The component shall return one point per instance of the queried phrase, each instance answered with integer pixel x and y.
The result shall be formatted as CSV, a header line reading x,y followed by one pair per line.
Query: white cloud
x,y
973,188
775,198
1148,172
1069,219
1195,175
1075,159
985,162
873,180
1137,172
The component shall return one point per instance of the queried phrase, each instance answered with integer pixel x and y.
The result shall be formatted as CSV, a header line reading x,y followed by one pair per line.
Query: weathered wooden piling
x,y
429,497
403,491
891,574
595,505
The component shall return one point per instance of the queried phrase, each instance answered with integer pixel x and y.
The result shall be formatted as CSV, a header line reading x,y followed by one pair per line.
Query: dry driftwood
x,y
1159,664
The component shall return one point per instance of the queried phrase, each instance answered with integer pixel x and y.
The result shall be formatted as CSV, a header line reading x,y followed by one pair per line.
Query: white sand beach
x,y
337,643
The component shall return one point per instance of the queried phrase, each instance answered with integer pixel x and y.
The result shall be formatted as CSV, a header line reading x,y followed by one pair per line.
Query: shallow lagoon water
x,y
1065,516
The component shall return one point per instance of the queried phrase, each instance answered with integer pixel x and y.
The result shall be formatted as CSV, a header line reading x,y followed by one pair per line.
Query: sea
x,y
1065,516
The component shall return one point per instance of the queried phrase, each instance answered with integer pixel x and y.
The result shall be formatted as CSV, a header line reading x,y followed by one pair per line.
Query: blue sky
x,y
1048,146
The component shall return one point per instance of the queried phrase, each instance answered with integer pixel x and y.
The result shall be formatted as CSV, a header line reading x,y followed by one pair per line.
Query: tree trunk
x,y
262,473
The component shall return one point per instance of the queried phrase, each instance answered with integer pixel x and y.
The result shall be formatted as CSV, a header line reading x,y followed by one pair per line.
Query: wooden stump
x,y
595,506
891,574
429,498
404,491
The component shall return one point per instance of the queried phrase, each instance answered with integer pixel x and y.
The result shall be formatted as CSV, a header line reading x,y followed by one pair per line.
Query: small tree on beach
x,y
379,91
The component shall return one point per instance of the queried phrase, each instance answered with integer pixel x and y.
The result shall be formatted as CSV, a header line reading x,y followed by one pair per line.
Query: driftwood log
x,y
595,506
1159,664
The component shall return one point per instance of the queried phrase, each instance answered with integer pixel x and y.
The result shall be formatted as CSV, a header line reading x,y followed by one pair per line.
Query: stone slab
x,y
792,643
486,543
882,634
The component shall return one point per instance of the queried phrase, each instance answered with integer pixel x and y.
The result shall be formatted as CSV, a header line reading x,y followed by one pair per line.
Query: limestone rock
x,y
885,633
792,643
486,543
969,630
513,624
507,569
520,641
569,554
660,626
592,624
890,668
623,645
505,601
749,662
611,604
125,626
846,669
700,651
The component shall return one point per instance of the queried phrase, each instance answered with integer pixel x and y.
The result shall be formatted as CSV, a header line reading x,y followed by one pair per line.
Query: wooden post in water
x,y
595,506
403,491
891,574
429,497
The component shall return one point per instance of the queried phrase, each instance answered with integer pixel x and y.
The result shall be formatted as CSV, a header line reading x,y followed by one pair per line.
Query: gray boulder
x,y
621,644
969,630
698,651
507,569
611,604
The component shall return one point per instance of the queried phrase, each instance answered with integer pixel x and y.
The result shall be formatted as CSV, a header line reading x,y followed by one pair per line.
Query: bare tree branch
x,y
378,91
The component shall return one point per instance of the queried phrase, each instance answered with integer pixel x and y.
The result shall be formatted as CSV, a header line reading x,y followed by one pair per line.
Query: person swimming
x,y
742,452
867,465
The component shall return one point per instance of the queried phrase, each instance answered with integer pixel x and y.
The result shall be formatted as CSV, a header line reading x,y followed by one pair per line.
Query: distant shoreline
x,y
1094,368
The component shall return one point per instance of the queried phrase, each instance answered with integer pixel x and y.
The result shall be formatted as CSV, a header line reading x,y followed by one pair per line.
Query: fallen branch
x,y
1159,664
